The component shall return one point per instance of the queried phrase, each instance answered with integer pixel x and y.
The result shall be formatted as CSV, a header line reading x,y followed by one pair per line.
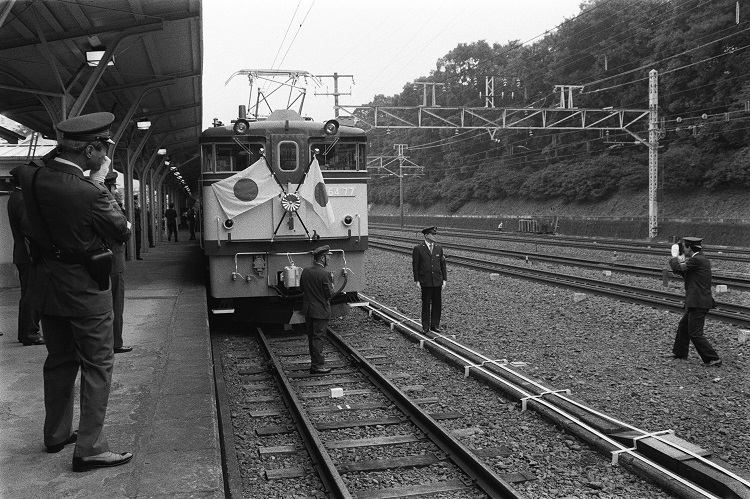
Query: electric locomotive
x,y
273,190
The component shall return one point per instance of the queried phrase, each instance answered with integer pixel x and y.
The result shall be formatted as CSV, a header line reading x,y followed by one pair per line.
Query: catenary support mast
x,y
653,153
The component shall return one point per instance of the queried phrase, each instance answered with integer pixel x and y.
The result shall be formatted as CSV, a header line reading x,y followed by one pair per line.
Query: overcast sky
x,y
383,43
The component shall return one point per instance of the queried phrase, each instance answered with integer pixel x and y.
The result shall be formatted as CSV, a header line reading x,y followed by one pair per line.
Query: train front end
x,y
272,191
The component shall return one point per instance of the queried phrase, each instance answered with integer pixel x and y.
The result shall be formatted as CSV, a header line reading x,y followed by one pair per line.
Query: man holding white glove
x,y
693,265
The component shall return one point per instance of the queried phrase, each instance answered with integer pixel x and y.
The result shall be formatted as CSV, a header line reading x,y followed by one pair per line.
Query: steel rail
x,y
486,479
536,399
735,314
717,278
728,253
322,461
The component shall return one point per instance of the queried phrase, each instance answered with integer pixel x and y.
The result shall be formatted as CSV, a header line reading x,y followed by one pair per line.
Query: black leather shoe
x,y
320,370
139,258
52,449
123,349
436,330
38,341
103,460
713,363
674,357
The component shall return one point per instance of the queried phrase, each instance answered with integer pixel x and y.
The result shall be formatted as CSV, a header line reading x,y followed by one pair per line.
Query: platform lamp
x,y
161,152
94,56
143,123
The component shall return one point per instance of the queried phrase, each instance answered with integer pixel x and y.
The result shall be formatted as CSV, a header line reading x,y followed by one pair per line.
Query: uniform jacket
x,y
317,289
19,227
118,247
697,273
429,269
78,214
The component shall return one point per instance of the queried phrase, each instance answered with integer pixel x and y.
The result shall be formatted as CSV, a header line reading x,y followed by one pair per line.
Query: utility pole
x,y
653,153
336,92
401,148
425,84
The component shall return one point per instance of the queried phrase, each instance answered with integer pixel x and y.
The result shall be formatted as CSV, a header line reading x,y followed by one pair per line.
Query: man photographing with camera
x,y
689,261
70,216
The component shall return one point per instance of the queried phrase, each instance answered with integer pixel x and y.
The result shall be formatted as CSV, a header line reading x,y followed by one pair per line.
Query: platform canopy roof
x,y
150,67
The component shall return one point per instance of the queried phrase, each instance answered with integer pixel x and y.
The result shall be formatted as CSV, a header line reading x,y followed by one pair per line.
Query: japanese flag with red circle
x,y
315,192
247,189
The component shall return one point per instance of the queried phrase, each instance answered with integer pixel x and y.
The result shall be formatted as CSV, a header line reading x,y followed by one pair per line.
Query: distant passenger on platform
x,y
317,289
137,225
117,276
500,226
696,269
171,215
430,276
190,216
69,216
29,332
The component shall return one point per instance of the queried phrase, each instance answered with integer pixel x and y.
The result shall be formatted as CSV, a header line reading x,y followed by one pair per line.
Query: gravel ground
x,y
609,353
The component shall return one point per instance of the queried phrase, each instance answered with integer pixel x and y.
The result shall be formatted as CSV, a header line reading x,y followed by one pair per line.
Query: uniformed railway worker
x,y
117,276
317,288
696,269
430,276
28,318
70,216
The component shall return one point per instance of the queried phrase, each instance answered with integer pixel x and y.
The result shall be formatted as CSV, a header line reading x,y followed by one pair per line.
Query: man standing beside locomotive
x,y
76,312
317,289
430,276
696,269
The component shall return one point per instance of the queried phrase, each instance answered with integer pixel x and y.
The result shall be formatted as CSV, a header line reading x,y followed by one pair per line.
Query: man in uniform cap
x,y
28,318
696,270
70,215
317,289
117,276
430,276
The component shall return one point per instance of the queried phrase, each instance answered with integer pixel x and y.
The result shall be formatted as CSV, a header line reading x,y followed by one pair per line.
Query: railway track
x,y
375,414
735,314
737,281
676,465
726,253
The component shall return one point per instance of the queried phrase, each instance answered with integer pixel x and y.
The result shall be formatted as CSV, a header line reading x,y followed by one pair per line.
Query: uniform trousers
x,y
74,342
172,229
432,304
690,329
137,244
316,333
117,285
28,317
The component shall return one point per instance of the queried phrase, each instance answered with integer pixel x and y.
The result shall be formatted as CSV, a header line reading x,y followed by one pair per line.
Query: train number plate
x,y
341,192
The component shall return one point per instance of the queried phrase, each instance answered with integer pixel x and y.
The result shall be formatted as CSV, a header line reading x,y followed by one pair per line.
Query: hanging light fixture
x,y
143,123
94,56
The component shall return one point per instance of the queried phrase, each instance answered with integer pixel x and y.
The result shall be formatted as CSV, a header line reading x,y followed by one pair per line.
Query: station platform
x,y
162,403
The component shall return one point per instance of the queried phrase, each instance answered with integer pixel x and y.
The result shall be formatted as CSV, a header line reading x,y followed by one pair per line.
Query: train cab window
x,y
236,157
288,156
224,158
340,156
207,153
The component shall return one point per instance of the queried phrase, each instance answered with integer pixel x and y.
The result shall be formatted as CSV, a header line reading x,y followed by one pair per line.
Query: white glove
x,y
98,176
675,250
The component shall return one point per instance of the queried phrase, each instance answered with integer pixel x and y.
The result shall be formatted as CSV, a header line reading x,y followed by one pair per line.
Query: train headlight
x,y
348,220
240,126
228,224
331,127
